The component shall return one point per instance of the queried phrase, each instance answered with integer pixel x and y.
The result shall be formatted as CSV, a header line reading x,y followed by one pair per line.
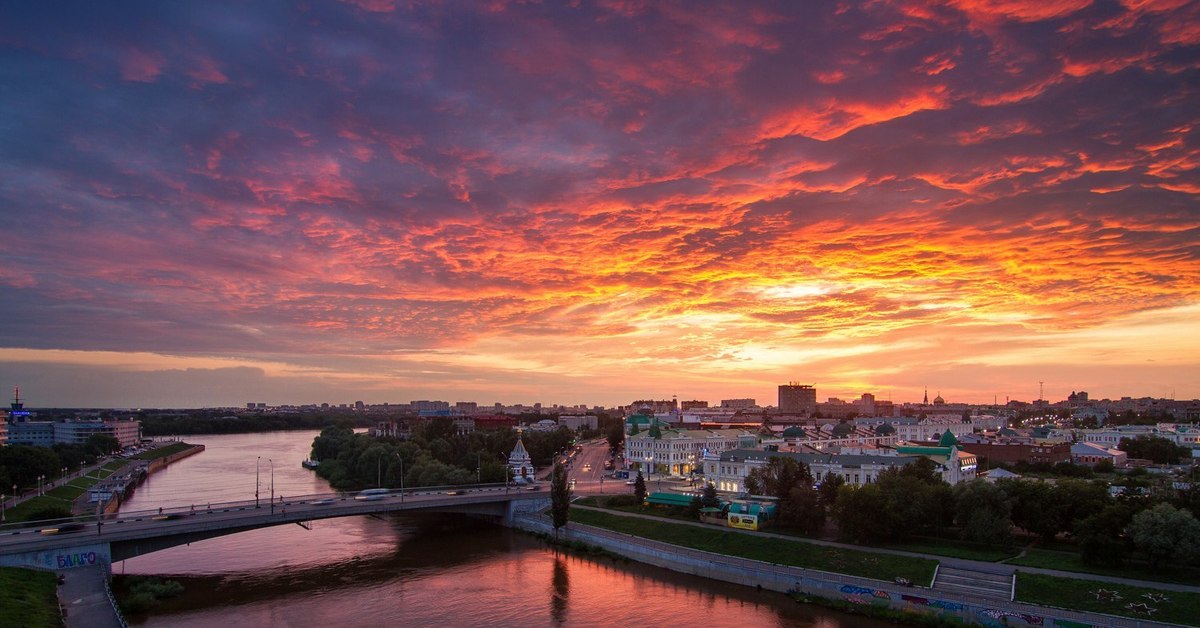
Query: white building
x,y
578,422
519,462
678,452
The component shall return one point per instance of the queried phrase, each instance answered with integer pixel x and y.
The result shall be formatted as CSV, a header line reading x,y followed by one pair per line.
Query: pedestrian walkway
x,y
84,598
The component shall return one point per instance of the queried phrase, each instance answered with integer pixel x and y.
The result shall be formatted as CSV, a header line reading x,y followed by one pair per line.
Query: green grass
x,y
954,549
767,549
1067,561
28,598
162,452
1086,595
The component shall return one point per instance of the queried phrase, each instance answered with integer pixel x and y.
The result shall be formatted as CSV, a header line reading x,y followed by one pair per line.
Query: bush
x,y
622,500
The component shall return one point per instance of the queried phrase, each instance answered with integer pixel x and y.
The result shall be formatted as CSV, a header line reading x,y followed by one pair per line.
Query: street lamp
x,y
3,516
256,464
40,478
272,485
401,459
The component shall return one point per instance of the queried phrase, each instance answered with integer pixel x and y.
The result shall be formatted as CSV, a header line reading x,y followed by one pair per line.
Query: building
x,y
1092,454
679,452
520,465
653,406
797,399
832,435
578,422
692,405
1007,450
77,432
918,429
3,433
739,404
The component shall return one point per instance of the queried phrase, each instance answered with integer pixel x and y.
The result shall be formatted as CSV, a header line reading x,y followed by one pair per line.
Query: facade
x,y
1012,450
797,398
578,422
739,404
830,435
728,470
1092,454
519,462
692,405
36,433
3,432
917,429
679,452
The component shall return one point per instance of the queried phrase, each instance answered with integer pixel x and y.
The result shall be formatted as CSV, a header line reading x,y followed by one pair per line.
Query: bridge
x,y
66,544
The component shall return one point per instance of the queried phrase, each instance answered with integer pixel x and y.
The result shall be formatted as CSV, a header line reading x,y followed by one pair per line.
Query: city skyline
x,y
204,205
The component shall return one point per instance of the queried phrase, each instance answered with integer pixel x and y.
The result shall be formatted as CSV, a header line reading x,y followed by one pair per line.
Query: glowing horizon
x,y
209,205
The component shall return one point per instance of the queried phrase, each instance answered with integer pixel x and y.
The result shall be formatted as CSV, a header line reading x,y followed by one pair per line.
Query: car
x,y
631,483
454,492
571,484
534,488
171,516
324,502
65,528
587,468
371,494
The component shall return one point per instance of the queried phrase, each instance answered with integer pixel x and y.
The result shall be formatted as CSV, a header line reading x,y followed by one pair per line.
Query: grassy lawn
x,y
163,452
1067,561
1113,599
772,550
28,598
954,549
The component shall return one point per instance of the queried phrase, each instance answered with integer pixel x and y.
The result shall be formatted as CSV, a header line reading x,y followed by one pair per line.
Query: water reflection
x,y
561,588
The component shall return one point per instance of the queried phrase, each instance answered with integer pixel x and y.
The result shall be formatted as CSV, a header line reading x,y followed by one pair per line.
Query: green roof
x,y
669,499
924,451
947,439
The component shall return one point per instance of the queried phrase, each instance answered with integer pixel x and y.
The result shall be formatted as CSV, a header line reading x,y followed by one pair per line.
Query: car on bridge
x,y
372,494
65,528
324,502
171,516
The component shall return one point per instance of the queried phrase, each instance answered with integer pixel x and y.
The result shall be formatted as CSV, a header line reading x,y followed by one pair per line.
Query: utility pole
x,y
1042,391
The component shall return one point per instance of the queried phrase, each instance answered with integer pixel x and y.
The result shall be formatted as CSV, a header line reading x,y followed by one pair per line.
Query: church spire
x,y
926,402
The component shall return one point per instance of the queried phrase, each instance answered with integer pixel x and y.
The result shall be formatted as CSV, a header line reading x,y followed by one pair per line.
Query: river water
x,y
407,569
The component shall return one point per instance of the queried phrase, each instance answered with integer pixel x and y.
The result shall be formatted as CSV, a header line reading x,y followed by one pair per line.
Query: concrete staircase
x,y
953,580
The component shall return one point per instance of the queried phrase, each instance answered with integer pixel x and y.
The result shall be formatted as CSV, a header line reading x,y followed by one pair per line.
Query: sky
x,y
212,203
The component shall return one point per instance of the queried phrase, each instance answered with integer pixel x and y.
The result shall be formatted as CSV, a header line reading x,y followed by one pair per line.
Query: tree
x,y
1165,534
616,437
560,497
1034,507
983,513
828,491
101,444
1154,448
862,514
708,497
1101,536
639,488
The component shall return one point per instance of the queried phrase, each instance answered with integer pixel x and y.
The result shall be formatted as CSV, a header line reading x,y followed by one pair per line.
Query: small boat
x,y
310,464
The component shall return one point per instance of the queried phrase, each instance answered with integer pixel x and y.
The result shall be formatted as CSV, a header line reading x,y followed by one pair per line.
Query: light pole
x,y
478,469
272,485
379,471
3,516
40,478
256,465
401,459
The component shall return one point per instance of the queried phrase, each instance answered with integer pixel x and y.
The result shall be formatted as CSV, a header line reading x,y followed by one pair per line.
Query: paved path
x,y
84,598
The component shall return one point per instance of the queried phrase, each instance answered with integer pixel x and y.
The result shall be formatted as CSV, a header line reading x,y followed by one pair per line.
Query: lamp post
x,y
40,478
272,485
256,465
401,459
478,468
3,515
379,471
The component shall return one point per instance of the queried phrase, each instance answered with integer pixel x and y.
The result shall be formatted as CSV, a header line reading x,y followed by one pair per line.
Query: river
x,y
408,569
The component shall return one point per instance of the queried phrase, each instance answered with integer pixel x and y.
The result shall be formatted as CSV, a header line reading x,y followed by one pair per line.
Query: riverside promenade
x,y
983,605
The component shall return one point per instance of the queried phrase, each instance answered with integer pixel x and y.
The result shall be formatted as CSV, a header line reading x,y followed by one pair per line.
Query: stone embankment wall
x,y
810,582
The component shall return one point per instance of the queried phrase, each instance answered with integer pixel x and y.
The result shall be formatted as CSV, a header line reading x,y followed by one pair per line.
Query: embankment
x,y
824,585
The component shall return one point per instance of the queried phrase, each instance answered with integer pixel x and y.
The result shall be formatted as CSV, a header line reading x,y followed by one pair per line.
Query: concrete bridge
x,y
67,544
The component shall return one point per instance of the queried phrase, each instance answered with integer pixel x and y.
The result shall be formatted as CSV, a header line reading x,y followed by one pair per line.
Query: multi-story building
x,y
999,449
578,422
3,432
797,399
920,430
692,405
728,470
739,404
679,452
829,435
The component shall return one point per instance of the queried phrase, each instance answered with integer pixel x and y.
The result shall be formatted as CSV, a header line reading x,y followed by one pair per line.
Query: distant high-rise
x,y
797,398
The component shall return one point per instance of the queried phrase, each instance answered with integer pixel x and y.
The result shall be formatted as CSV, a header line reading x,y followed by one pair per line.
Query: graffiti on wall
x,y
865,595
941,604
998,617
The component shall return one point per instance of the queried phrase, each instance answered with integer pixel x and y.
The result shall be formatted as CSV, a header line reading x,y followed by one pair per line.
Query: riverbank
x,y
28,597
836,589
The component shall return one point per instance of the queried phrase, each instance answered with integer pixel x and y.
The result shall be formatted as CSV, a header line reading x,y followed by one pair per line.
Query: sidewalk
x,y
84,598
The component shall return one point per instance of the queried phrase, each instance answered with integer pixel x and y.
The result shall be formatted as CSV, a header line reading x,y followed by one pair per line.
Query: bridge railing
x,y
262,502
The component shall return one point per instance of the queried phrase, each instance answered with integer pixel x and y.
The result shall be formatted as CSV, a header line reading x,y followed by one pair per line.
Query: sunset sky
x,y
209,203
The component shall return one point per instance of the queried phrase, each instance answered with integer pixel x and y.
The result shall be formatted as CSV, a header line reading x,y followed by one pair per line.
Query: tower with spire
x,y
926,401
520,463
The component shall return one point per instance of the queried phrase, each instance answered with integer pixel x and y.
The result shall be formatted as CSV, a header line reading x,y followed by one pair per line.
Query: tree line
x,y
914,501
434,455
20,465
